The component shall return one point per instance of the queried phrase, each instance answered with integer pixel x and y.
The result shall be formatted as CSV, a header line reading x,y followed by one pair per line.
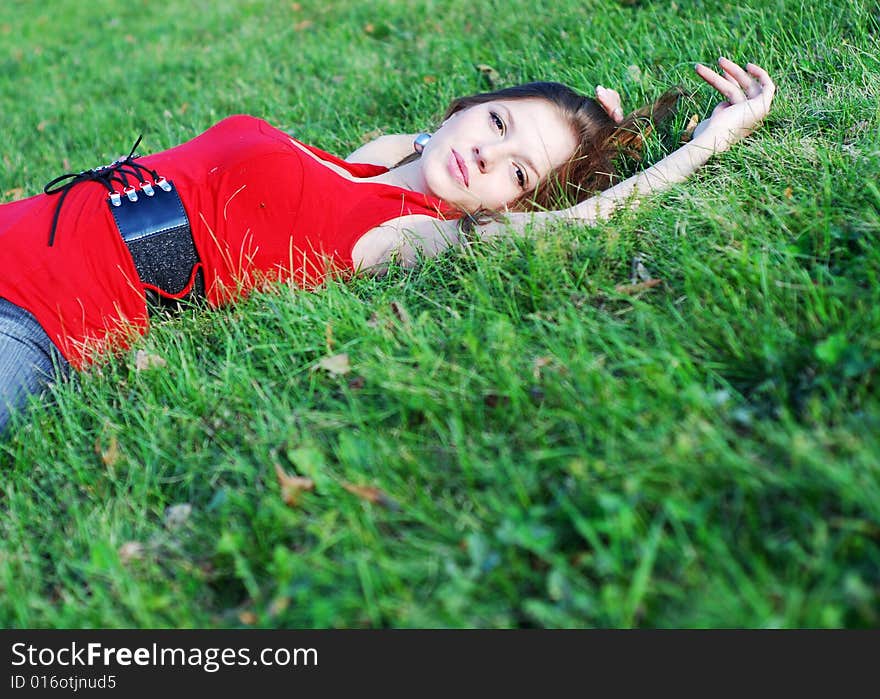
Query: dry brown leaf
x,y
371,494
300,26
689,129
143,361
631,289
131,551
247,618
328,337
110,456
177,515
489,73
17,192
428,79
292,487
540,363
788,193
402,314
279,604
493,400
337,364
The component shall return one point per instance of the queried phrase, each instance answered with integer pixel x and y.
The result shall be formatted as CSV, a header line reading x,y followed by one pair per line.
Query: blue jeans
x,y
28,360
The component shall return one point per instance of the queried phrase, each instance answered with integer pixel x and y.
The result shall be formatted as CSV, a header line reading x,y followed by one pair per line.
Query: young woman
x,y
245,204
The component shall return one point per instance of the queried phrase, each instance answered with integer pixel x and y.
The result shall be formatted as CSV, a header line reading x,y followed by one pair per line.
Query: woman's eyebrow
x,y
528,162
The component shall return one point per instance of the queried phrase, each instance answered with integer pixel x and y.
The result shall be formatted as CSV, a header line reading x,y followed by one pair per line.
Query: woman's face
x,y
487,155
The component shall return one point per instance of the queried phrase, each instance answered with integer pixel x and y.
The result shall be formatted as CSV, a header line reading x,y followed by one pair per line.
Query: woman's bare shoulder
x,y
387,150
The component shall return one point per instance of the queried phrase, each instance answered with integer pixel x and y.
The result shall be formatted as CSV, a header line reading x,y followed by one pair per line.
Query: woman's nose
x,y
485,156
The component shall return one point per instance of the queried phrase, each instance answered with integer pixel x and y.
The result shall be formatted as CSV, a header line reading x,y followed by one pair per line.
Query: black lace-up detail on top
x,y
116,173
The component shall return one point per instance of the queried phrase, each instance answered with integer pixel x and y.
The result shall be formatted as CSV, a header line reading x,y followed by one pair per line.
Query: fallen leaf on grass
x,y
310,461
371,494
247,618
279,604
688,132
131,551
493,400
336,364
109,456
630,289
177,515
398,310
143,361
402,314
540,363
328,337
292,487
488,72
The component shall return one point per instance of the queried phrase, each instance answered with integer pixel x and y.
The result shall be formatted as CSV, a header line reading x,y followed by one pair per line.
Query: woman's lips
x,y
457,168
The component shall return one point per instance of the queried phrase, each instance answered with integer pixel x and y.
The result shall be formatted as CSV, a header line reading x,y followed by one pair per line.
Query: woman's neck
x,y
408,176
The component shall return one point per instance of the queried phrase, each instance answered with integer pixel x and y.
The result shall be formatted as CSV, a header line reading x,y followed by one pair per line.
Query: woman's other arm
x,y
386,150
747,101
748,94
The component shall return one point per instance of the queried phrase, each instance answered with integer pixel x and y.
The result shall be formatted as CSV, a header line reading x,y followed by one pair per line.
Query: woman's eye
x,y
521,178
497,121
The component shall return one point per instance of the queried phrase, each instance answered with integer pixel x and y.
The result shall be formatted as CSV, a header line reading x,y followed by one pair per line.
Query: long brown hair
x,y
592,167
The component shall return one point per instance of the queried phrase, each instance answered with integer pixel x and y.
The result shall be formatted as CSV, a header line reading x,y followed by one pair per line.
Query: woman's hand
x,y
609,100
747,97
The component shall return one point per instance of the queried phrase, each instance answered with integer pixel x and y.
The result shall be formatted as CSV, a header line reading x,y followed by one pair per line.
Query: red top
x,y
260,210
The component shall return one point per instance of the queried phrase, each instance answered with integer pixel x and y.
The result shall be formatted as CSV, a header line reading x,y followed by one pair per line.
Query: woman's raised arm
x,y
747,97
386,150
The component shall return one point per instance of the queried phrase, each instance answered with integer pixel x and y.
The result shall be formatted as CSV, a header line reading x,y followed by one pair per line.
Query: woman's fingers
x,y
748,94
768,87
738,85
739,76
728,89
610,102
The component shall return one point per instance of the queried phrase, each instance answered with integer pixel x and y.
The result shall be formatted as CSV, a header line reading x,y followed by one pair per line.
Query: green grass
x,y
553,452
